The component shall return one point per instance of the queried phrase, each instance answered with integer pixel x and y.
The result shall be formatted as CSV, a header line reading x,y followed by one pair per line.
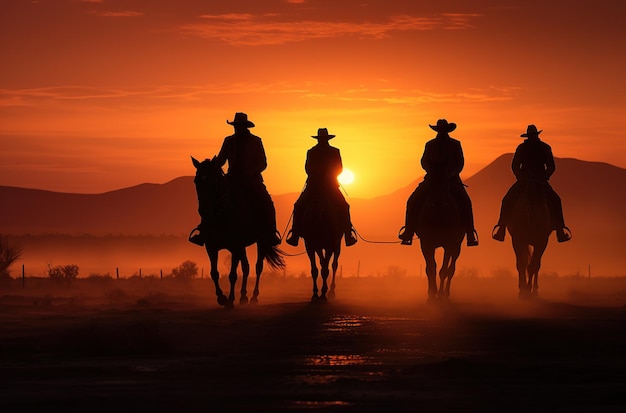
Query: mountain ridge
x,y
592,194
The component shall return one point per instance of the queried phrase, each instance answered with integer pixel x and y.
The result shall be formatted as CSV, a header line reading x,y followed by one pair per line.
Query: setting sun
x,y
346,177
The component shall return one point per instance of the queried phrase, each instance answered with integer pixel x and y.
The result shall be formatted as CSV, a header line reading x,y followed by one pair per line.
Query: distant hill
x,y
157,209
593,198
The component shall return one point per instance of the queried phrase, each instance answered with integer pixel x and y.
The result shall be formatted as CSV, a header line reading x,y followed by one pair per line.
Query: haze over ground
x,y
146,227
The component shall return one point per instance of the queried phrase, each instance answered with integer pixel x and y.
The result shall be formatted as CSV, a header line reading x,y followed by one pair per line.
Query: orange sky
x,y
97,95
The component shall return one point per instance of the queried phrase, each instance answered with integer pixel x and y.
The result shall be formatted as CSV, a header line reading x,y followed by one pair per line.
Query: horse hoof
x,y
222,300
254,300
243,300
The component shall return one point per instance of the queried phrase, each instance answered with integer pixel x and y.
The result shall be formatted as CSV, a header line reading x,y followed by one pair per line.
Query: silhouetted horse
x,y
229,223
322,233
439,226
530,227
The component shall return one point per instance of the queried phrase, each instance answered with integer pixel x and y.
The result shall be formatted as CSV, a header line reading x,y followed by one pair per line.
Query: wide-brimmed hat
x,y
443,126
531,130
323,133
241,119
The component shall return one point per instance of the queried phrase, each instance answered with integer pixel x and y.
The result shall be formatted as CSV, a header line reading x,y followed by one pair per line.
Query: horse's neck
x,y
212,192
534,190
439,191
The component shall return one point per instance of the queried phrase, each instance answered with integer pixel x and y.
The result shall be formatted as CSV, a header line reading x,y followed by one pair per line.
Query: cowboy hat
x,y
241,119
323,133
443,126
531,130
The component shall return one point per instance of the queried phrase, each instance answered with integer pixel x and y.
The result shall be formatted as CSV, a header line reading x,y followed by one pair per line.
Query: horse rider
x,y
443,161
533,160
323,165
246,160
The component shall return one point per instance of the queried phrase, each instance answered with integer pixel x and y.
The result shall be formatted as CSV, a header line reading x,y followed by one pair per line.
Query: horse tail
x,y
273,255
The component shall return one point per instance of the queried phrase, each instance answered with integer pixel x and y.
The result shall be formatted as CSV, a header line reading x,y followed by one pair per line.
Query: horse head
x,y
534,191
440,213
530,213
210,183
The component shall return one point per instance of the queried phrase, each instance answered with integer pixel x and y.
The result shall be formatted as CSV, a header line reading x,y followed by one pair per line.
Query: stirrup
x,y
196,238
351,238
498,232
292,239
565,236
473,242
406,240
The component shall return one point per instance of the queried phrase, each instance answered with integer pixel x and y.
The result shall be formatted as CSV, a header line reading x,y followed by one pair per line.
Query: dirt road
x,y
386,352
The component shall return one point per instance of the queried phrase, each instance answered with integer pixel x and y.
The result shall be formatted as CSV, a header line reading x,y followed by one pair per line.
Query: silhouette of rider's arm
x,y
533,161
446,159
458,160
516,163
323,167
550,165
244,158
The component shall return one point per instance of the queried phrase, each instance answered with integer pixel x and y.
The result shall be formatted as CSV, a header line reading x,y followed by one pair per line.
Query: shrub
x,y
63,273
186,270
8,255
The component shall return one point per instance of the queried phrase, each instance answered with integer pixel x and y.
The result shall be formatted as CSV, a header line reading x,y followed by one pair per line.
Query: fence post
x,y
117,272
161,274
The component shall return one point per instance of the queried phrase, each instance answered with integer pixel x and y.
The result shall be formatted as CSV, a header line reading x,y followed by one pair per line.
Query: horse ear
x,y
195,162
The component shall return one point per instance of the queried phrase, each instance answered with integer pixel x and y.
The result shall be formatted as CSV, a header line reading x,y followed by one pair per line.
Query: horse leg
x,y
314,273
335,265
232,276
533,269
443,279
215,276
258,269
522,256
325,267
431,271
448,268
245,270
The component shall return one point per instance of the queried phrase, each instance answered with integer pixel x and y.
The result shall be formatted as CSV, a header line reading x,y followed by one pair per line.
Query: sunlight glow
x,y
346,177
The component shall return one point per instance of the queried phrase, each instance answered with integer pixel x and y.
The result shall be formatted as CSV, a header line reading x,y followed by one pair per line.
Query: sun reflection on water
x,y
336,360
343,323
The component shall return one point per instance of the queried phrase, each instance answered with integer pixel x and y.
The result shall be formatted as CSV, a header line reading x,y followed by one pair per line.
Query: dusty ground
x,y
154,346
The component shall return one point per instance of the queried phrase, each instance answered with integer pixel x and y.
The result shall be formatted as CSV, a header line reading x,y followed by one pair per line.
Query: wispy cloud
x,y
412,98
306,90
27,97
268,29
20,97
125,13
